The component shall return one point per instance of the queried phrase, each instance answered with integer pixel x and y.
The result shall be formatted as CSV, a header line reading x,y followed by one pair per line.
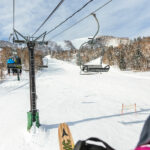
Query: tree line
x,y
133,56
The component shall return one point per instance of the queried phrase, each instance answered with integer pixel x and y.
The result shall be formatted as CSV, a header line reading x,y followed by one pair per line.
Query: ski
x,y
65,137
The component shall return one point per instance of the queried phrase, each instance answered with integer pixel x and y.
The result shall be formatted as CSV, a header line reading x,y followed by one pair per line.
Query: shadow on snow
x,y
53,126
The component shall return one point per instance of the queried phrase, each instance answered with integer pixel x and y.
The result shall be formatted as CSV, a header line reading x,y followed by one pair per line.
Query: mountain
x,y
100,41
76,42
112,41
7,44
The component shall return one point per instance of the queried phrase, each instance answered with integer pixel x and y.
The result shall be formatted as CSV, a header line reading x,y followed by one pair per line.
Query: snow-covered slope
x,y
6,44
100,41
91,105
76,42
112,41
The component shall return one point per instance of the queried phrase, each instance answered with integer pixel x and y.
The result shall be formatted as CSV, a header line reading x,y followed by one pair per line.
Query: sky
x,y
120,18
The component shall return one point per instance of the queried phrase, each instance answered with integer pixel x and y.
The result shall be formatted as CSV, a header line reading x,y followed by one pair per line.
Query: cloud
x,y
124,18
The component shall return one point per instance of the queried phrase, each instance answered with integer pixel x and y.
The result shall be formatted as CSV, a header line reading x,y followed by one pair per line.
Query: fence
x,y
128,107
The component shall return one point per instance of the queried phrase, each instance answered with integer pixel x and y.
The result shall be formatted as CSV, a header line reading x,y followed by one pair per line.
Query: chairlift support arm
x,y
98,25
98,28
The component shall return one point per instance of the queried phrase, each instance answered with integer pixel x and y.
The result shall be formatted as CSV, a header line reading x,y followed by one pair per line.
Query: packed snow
x,y
89,104
105,40
76,42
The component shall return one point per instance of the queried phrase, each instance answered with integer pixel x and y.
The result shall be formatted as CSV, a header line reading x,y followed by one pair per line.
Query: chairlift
x,y
94,68
86,68
15,66
45,63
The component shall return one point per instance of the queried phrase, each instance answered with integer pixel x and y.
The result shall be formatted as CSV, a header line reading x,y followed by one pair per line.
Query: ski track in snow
x,y
91,105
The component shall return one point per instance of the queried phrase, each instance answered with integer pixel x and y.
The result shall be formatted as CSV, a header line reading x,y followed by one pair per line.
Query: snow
x,y
91,105
76,42
109,41
113,42
63,45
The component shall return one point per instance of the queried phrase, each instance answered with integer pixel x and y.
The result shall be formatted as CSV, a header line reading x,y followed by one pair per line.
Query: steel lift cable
x,y
60,3
13,18
12,34
70,16
81,20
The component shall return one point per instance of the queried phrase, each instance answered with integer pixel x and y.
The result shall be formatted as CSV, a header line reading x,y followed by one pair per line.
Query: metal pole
x,y
18,77
98,25
33,114
33,109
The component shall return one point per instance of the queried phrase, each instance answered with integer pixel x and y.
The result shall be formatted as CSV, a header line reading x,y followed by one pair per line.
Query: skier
x,y
144,141
18,64
10,63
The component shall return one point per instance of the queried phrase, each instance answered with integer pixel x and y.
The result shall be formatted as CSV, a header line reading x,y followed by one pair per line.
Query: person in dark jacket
x,y
10,63
144,141
18,64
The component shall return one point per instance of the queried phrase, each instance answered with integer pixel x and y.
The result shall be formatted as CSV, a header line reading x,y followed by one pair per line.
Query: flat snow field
x,y
90,104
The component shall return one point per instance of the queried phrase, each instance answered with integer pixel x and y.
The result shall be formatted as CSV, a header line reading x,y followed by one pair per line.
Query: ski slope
x,y
90,104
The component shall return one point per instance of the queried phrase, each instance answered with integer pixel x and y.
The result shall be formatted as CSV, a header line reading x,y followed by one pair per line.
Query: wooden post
x,y
122,109
128,107
135,107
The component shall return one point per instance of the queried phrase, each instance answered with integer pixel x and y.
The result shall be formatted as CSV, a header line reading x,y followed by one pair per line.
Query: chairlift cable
x,y
70,16
13,18
60,3
80,20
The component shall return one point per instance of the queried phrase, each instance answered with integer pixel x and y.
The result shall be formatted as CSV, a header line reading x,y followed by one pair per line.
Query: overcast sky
x,y
121,18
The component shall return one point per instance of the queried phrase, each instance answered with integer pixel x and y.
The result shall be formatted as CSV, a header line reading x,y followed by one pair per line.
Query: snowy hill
x,y
62,45
100,41
91,105
6,44
76,42
112,41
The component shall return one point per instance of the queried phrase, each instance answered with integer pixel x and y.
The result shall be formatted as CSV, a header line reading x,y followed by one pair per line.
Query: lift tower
x,y
33,114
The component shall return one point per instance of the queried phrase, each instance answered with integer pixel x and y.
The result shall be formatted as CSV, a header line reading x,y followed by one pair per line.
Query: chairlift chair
x,y
86,68
94,68
45,65
15,66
